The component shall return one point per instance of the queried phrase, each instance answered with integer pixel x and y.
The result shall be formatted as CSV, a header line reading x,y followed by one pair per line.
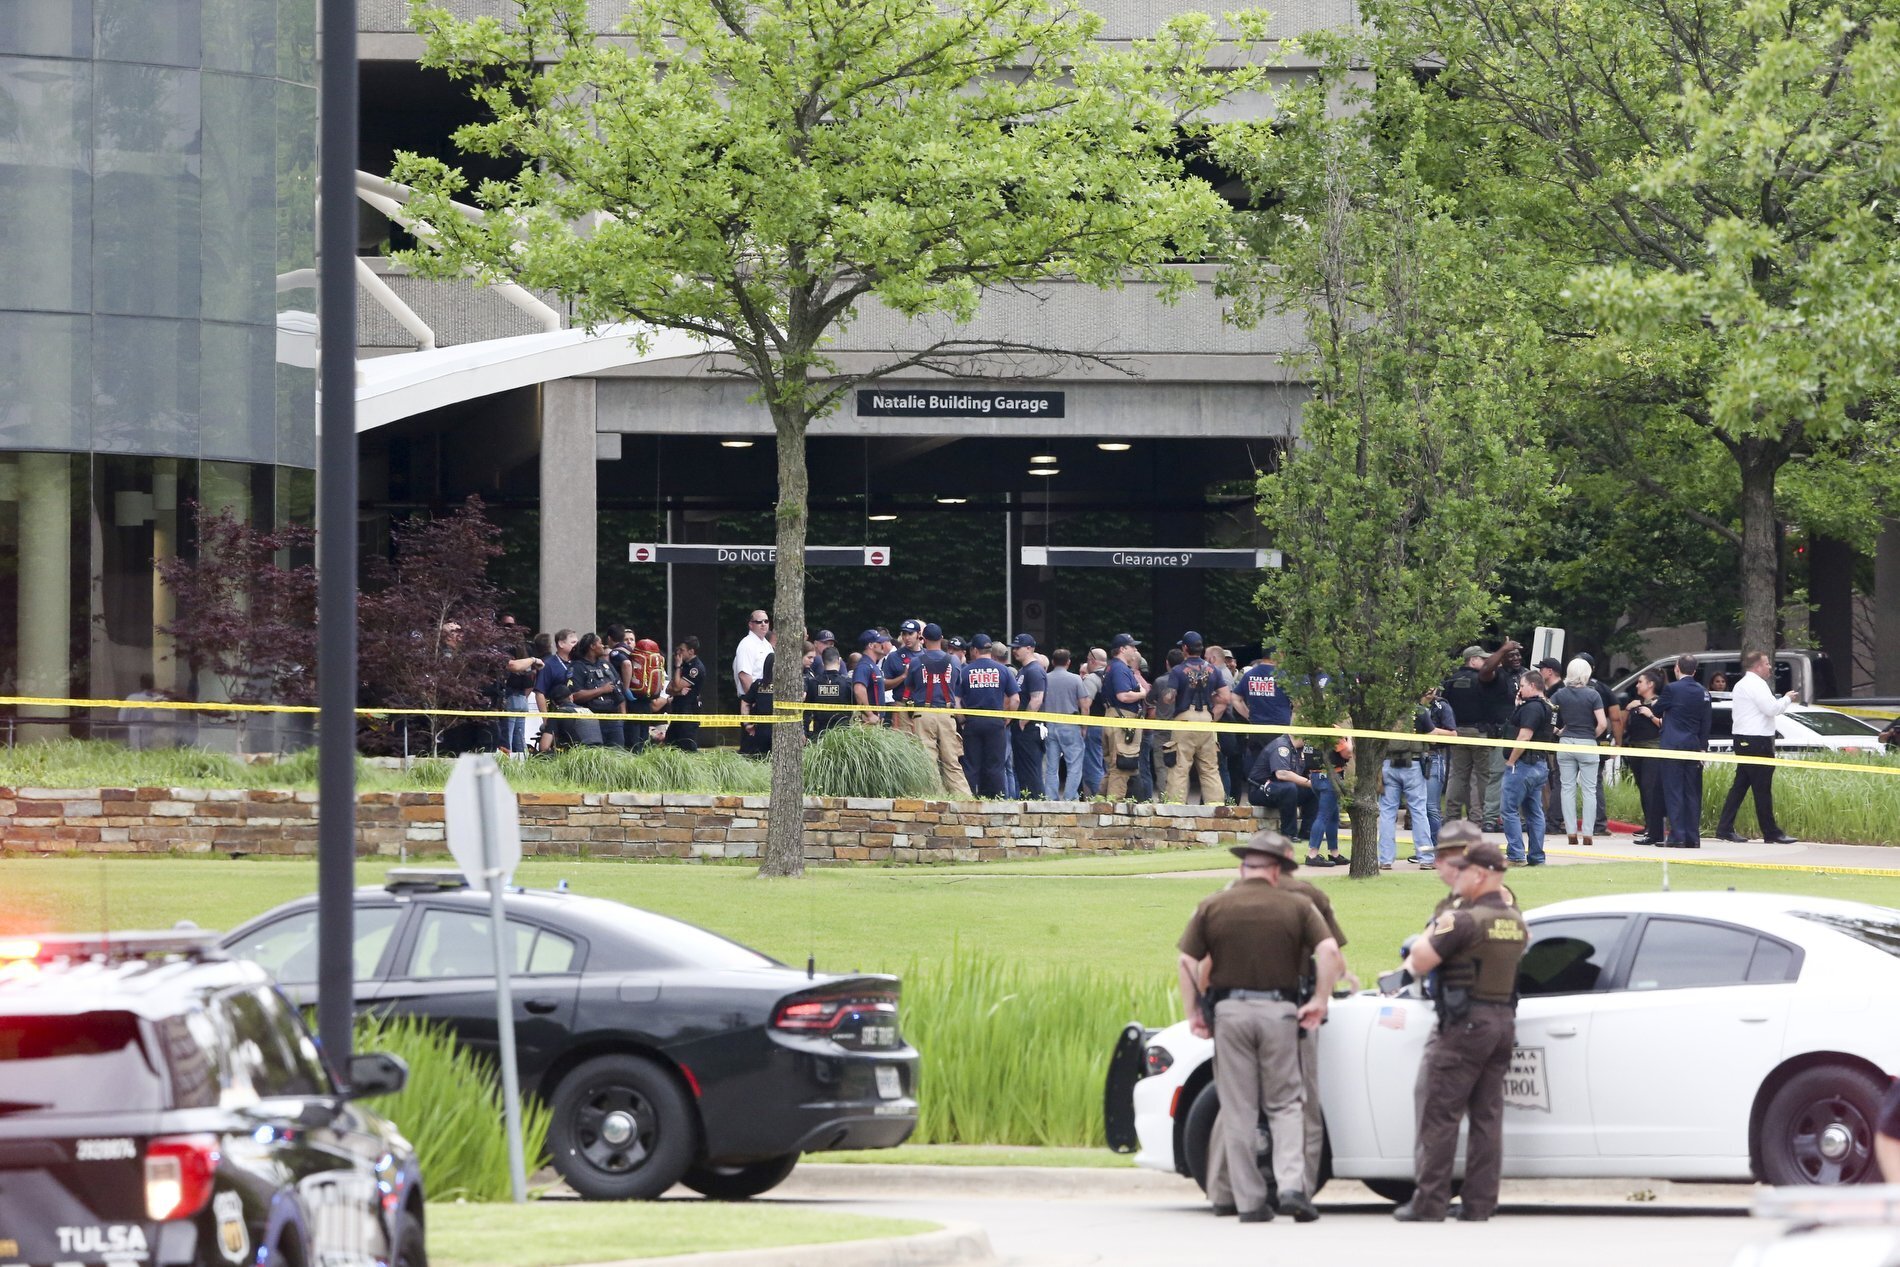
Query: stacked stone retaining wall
x,y
602,824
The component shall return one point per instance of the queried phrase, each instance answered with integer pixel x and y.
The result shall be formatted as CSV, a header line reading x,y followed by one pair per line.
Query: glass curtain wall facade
x,y
157,232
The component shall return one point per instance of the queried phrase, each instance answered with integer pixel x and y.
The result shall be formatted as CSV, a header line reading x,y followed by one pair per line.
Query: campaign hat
x,y
1268,842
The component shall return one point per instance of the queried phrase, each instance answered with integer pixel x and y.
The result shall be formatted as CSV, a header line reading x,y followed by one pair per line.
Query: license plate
x,y
889,1084
1525,1084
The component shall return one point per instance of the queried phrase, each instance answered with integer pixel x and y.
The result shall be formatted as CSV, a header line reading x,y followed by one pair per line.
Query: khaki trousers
x,y
903,719
1220,1192
1116,742
937,730
1199,749
1257,1069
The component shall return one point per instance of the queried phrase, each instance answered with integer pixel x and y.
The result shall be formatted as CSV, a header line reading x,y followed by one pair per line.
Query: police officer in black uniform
x,y
1475,948
826,685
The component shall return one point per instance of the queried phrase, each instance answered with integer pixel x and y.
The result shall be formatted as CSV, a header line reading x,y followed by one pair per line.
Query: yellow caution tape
x,y
638,719
789,712
1348,732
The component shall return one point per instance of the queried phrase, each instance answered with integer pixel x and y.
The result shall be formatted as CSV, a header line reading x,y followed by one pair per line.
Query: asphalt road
x,y
1548,1229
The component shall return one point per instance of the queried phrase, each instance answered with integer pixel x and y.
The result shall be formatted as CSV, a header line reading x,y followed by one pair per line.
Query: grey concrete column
x,y
1887,609
569,505
46,585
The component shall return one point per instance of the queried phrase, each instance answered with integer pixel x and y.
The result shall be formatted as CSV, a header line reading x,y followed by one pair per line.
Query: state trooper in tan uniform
x,y
1475,946
1260,939
1219,1191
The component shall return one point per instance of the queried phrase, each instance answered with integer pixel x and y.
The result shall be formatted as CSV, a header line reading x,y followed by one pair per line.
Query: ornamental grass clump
x,y
451,1110
869,761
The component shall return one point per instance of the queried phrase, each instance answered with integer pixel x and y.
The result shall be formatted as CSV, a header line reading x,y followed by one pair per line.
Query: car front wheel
x,y
1819,1128
623,1129
740,1183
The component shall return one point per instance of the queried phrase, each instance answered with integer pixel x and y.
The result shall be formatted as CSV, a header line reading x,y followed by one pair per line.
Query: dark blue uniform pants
x,y
1027,745
986,749
1682,797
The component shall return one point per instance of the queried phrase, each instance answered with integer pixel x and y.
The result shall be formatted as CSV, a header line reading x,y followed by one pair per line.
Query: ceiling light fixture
x,y
1044,470
882,517
735,444
1043,459
1114,446
952,501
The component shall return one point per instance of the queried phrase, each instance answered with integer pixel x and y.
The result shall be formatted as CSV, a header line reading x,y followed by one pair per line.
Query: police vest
x,y
1544,731
1488,968
1465,693
1197,687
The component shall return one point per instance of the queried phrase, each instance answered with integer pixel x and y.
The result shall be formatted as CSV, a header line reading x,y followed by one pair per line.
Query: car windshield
x,y
91,1063
1882,932
1825,721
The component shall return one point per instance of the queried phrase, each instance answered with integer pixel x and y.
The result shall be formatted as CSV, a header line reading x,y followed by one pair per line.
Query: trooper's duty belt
x,y
1258,996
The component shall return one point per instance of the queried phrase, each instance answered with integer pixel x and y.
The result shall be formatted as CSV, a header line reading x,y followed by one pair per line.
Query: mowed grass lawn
x,y
1110,915
553,1233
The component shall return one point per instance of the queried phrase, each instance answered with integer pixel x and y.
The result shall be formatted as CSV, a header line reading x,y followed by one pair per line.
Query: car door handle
x,y
1562,1031
541,1007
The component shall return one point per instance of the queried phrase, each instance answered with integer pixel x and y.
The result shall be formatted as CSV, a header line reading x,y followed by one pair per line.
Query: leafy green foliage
x,y
1420,462
757,174
851,760
451,1111
1703,195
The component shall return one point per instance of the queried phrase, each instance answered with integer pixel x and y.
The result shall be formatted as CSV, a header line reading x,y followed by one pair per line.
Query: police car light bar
x,y
423,879
129,945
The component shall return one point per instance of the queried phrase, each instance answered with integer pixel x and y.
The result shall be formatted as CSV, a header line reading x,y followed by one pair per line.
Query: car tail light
x,y
824,1013
178,1172
1156,1060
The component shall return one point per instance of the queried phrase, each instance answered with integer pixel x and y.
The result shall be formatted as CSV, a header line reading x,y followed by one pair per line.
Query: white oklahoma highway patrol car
x,y
1702,1036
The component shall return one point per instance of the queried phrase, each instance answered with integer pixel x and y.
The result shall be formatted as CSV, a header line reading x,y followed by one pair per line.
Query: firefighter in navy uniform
x,y
1475,947
827,684
987,684
933,693
895,670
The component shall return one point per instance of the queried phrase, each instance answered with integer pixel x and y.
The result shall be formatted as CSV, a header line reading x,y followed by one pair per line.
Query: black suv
x,y
162,1104
668,1054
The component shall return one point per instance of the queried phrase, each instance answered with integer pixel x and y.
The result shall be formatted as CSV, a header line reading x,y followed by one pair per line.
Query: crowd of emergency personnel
x,y
1258,963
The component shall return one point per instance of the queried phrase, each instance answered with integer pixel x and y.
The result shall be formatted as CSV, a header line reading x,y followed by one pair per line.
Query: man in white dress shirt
x,y
748,662
1755,708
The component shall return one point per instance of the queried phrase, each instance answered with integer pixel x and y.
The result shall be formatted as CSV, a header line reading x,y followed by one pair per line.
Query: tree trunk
x,y
1368,756
785,815
1760,462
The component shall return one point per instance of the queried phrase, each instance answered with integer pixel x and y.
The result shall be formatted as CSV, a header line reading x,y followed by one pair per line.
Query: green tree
x,y
1716,181
1419,464
755,173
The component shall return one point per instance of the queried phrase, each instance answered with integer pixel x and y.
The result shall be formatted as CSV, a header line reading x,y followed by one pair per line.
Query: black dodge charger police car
x,y
666,1053
163,1105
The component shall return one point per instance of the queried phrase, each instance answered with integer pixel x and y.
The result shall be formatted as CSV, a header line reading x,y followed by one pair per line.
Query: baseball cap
x,y
1023,640
955,644
933,632
980,643
1474,649
1483,854
1124,640
1192,639
1459,834
825,635
1589,658
910,626
1553,664
868,637
1271,843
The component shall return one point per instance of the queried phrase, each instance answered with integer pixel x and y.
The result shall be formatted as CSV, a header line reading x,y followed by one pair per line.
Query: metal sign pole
x,y
493,869
336,530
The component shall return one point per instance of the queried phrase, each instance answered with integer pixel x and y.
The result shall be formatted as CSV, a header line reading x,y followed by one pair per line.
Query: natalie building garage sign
x,y
920,402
